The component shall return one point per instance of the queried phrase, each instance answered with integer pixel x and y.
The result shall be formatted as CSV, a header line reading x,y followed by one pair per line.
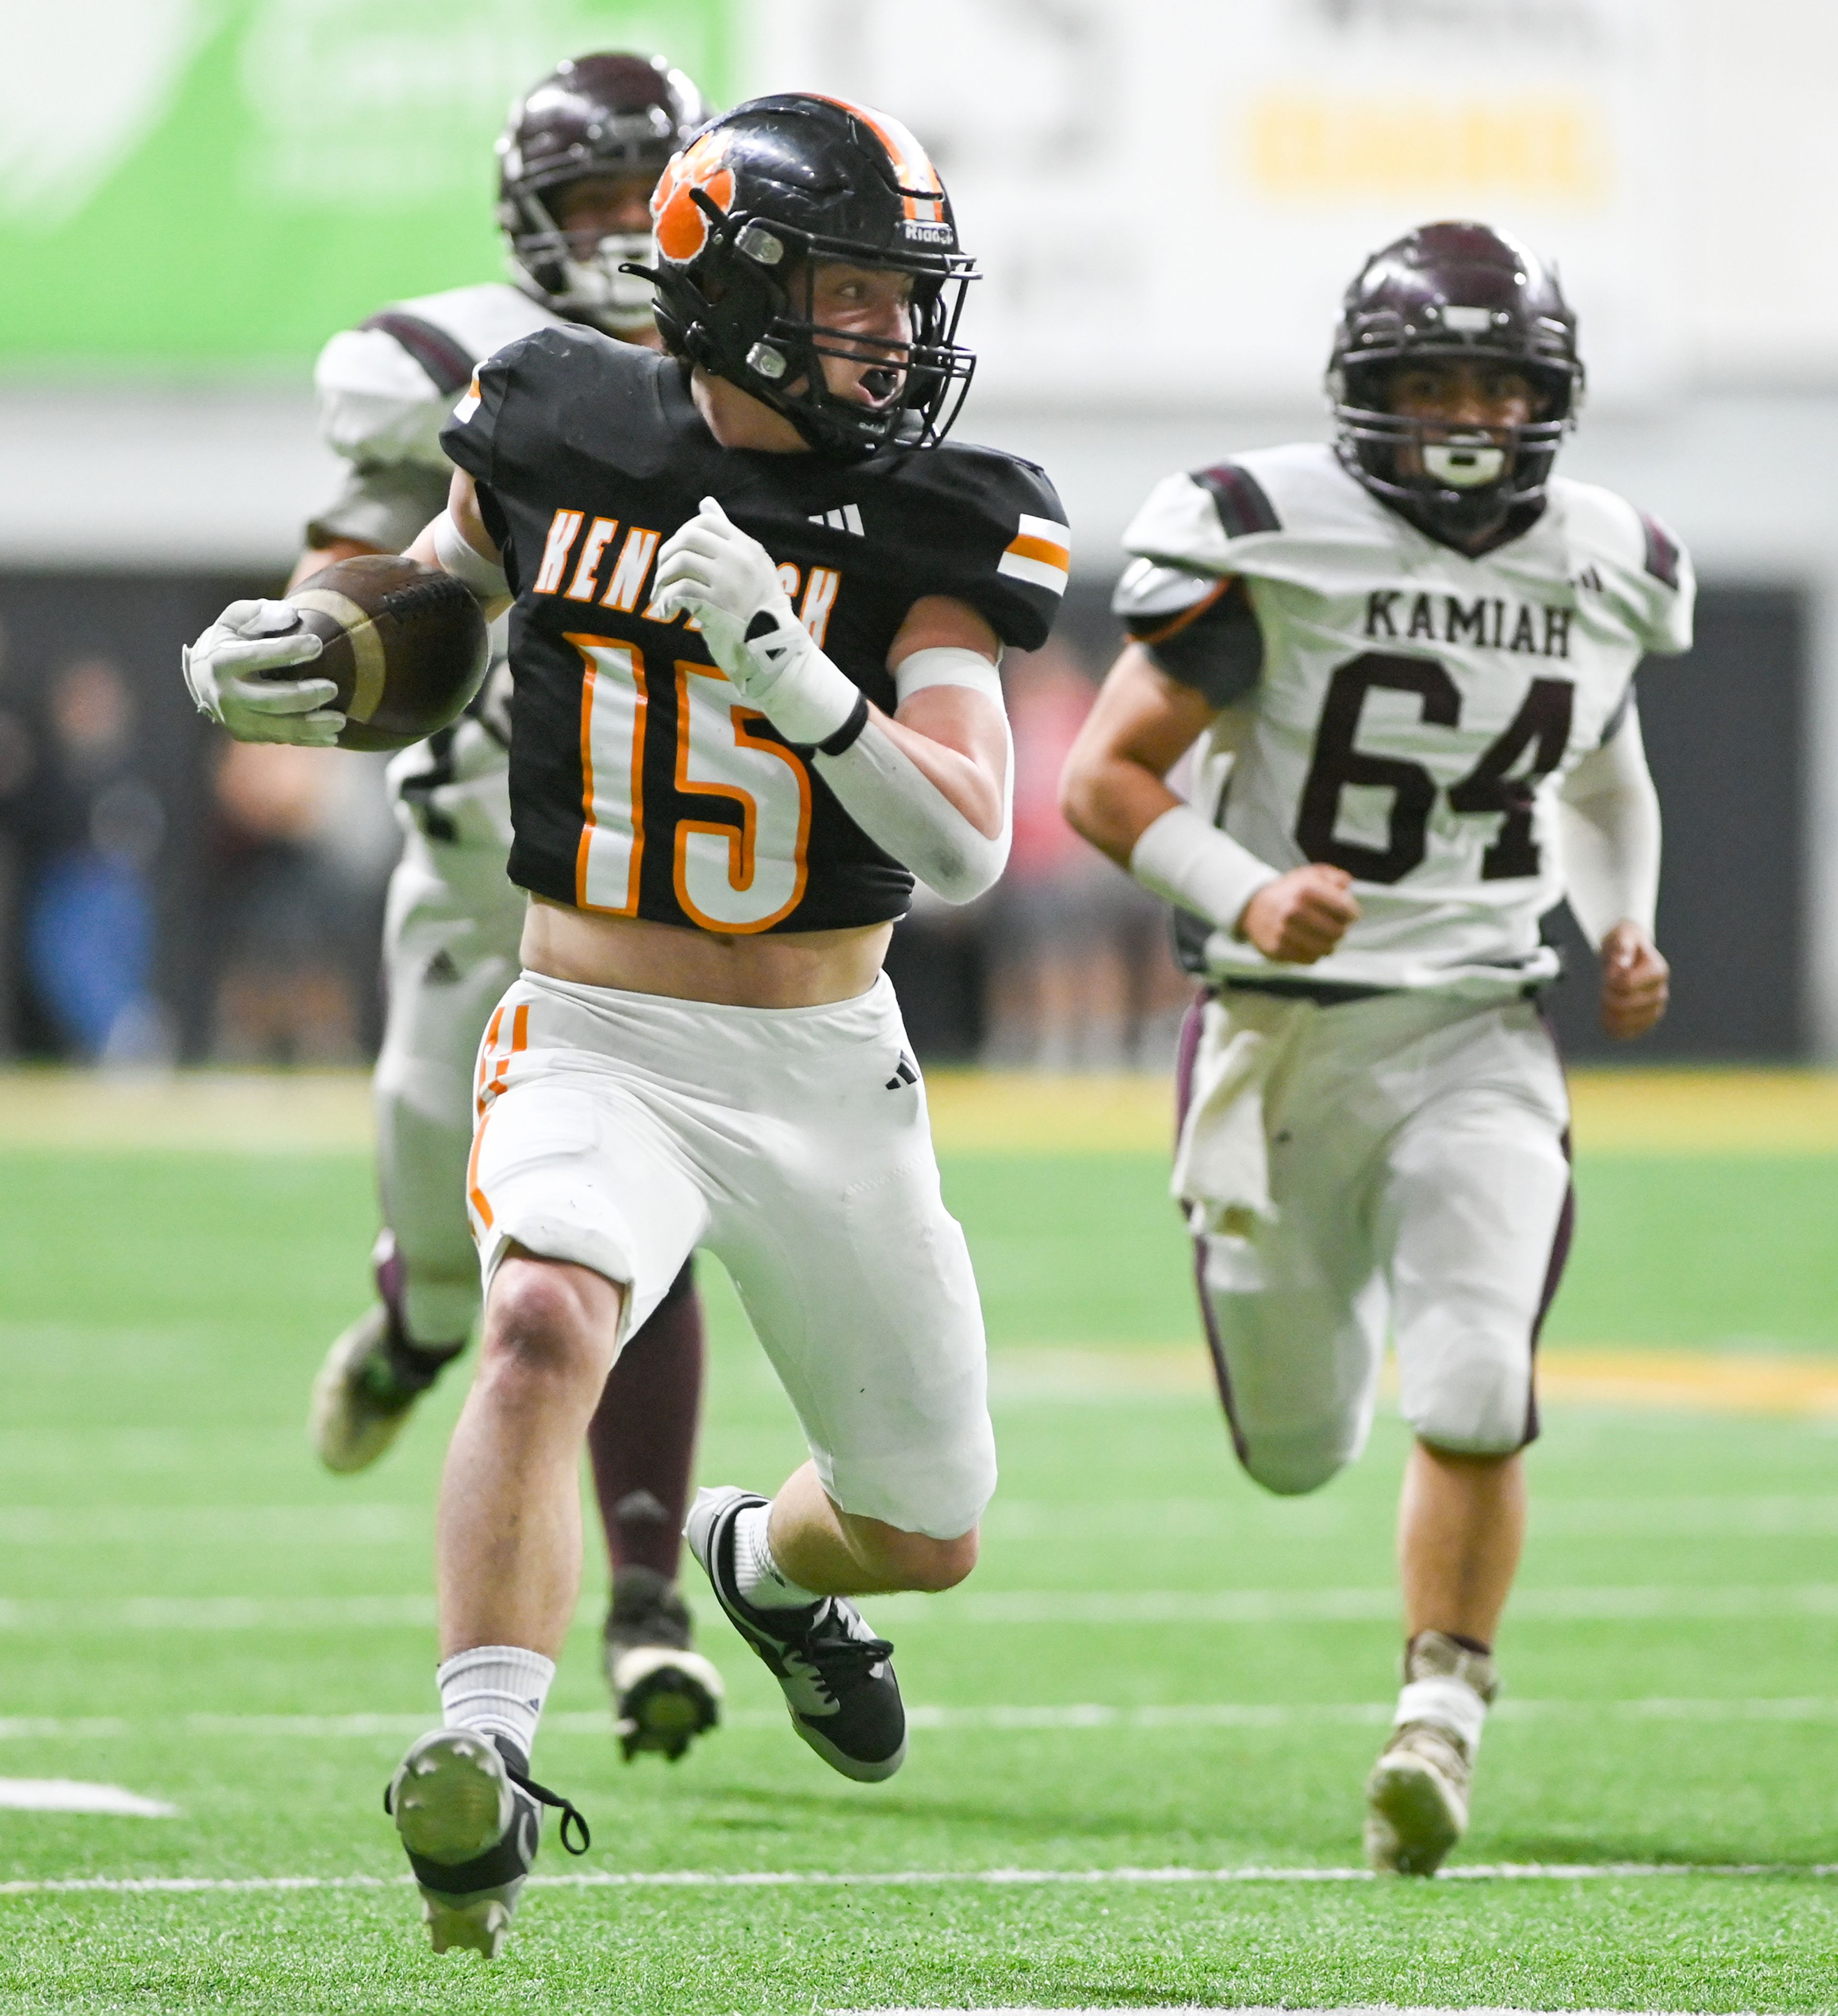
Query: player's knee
x,y
913,1560
548,1323
1291,1465
1480,1404
933,1565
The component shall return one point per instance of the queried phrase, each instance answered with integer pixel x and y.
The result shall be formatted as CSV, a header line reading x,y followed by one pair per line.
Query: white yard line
x,y
1074,1715
1191,1608
370,1525
70,1795
1022,1879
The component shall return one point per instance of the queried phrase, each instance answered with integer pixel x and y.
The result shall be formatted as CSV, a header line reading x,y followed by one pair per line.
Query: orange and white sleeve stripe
x,y
1041,553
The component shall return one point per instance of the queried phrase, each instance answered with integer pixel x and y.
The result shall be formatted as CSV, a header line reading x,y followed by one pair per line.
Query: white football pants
x,y
450,949
1419,1173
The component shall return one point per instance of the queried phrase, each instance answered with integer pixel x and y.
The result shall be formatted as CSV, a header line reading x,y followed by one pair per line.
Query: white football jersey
x,y
378,406
1393,706
384,391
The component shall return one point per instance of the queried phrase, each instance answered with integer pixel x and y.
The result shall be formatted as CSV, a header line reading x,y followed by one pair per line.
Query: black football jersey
x,y
640,784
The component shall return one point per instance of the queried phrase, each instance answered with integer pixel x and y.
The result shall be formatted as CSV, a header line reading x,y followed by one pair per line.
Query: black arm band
x,y
849,733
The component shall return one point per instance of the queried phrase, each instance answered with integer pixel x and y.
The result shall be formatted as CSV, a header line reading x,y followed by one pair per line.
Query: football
x,y
405,644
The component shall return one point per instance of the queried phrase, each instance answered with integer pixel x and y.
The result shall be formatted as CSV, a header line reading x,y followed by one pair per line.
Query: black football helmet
x,y
1453,290
745,213
609,113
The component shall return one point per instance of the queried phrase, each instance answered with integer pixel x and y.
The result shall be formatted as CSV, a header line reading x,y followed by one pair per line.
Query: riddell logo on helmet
x,y
928,234
681,225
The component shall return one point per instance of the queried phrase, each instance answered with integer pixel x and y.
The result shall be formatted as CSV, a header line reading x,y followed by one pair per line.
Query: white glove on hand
x,y
729,579
224,670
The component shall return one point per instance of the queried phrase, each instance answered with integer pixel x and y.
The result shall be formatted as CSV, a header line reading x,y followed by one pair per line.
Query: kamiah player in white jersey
x,y
577,160
1407,660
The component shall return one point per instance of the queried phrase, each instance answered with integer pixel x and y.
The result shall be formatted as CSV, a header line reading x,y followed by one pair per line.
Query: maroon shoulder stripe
x,y
445,362
1662,554
1239,499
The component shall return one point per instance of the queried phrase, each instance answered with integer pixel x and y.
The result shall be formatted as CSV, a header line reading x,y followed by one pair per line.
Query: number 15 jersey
x,y
1393,706
641,785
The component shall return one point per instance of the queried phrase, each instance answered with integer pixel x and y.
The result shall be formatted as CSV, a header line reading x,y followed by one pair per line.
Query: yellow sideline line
x,y
1672,1113
1713,1382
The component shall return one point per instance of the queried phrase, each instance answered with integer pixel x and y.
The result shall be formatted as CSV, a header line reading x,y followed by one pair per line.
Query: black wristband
x,y
847,735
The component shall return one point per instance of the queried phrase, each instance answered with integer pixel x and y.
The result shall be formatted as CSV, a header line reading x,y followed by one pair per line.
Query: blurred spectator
x,y
95,827
294,904
1080,974
19,763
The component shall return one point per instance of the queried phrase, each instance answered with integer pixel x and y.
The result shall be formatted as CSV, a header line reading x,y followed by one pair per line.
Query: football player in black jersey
x,y
578,159
758,605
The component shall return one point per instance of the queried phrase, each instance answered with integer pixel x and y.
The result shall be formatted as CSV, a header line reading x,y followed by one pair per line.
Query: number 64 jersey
x,y
1393,706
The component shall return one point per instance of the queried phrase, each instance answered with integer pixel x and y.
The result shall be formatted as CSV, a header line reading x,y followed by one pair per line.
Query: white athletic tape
x,y
1451,1704
908,1879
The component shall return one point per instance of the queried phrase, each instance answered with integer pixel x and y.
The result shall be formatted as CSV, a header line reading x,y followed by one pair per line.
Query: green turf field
x,y
1139,1731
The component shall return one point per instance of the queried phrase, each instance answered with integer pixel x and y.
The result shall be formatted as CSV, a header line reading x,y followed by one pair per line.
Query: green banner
x,y
195,184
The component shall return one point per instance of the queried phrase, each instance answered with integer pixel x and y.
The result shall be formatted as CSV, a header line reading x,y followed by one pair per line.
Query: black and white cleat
x,y
836,1675
470,1817
665,1694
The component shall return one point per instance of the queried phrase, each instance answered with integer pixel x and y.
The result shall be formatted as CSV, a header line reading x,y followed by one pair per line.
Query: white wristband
x,y
460,558
1182,858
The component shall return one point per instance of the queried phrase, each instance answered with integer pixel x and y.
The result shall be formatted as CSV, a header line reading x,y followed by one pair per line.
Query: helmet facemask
x,y
602,285
1461,479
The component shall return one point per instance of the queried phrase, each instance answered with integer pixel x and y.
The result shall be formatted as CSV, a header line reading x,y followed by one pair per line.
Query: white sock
x,y
498,1690
762,1582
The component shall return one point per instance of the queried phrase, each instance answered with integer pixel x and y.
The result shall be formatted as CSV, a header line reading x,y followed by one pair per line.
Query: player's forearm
x,y
1609,820
1112,801
457,543
940,810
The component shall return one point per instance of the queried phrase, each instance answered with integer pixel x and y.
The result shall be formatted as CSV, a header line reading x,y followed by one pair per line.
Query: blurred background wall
x,y
1168,195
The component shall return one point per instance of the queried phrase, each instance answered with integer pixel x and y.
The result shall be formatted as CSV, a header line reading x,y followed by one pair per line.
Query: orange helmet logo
x,y
681,228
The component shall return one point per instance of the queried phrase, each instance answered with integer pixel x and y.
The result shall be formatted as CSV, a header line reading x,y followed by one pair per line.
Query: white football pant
x,y
1419,1176
622,1131
450,949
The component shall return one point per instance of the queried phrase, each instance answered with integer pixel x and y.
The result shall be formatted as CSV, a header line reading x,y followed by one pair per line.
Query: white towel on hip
x,y
1221,1174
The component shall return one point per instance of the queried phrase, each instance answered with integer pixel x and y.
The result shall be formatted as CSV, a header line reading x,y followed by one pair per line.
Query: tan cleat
x,y
372,1377
665,1694
1417,1798
355,1413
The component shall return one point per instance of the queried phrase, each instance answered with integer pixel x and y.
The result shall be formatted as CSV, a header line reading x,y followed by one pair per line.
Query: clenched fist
x,y
1301,916
1636,982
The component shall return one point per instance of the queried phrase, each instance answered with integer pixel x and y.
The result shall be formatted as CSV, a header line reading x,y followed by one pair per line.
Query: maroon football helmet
x,y
610,113
1443,291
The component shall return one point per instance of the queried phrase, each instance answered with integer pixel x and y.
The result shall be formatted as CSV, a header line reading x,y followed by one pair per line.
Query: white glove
x,y
224,670
729,579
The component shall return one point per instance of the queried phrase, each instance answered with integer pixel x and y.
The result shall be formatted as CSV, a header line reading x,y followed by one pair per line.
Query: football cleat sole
x,y
663,1698
452,1803
1414,1816
349,1429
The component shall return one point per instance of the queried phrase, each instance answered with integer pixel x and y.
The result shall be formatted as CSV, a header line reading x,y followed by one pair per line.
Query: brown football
x,y
405,644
